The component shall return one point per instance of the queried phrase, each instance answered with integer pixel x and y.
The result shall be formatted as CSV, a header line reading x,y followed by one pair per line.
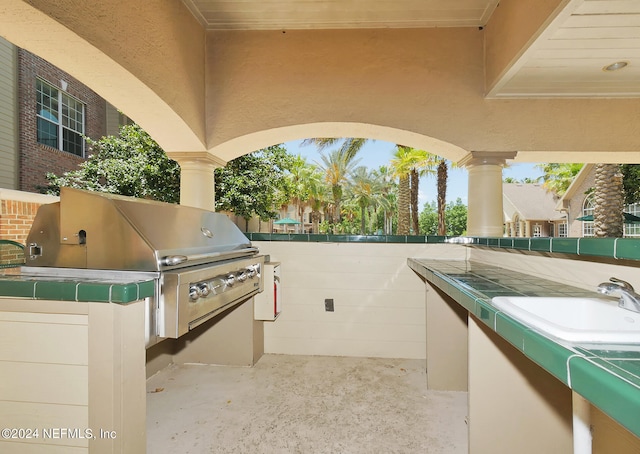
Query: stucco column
x,y
485,216
197,181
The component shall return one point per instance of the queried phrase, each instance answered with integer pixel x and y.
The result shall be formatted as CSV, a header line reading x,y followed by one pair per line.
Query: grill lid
x,y
105,231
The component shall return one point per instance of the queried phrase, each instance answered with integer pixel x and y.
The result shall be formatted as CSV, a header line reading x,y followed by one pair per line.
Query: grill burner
x,y
200,261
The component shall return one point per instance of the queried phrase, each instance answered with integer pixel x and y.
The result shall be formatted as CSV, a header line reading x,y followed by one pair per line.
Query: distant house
x,y
530,211
579,201
290,211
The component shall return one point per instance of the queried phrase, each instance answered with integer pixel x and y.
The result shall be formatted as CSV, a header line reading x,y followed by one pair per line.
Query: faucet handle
x,y
625,284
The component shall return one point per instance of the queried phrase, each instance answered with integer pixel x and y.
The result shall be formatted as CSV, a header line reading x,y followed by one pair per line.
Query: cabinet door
x,y
268,304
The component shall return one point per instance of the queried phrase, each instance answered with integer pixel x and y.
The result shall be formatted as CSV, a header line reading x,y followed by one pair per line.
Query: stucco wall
x,y
144,57
233,92
379,301
288,85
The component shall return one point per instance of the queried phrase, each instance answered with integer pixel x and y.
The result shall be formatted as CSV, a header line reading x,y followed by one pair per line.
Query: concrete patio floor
x,y
303,404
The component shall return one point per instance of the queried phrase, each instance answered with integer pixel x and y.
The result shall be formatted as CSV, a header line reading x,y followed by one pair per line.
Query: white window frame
x,y
588,209
516,225
64,107
537,230
632,230
563,230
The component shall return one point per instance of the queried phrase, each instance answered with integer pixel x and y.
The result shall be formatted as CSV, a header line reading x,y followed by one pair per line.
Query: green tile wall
x,y
341,238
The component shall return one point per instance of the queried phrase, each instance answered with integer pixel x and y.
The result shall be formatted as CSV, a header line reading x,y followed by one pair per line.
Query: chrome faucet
x,y
629,299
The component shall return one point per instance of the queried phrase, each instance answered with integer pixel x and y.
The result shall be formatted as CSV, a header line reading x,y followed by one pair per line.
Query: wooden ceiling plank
x,y
620,43
583,63
597,33
261,14
596,21
609,7
613,54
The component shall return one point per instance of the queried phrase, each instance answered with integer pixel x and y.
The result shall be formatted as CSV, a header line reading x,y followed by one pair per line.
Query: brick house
x,y
17,211
45,114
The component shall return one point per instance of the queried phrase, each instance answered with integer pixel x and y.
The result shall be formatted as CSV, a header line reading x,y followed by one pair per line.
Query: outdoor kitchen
x,y
108,278
106,349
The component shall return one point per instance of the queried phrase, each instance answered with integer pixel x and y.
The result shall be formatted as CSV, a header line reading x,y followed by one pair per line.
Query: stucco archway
x,y
261,139
207,96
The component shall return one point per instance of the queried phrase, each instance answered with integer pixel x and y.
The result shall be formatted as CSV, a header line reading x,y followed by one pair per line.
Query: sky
x,y
377,153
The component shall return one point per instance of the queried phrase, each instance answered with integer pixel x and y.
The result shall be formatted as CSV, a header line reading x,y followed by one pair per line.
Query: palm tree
x,y
337,165
558,177
363,190
417,163
317,196
386,197
442,175
423,164
609,201
402,164
298,173
351,146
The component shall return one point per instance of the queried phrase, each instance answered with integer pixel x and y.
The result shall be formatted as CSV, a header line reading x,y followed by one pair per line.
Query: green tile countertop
x,y
113,287
606,375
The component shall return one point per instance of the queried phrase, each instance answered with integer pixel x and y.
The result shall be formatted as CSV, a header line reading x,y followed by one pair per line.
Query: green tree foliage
x,y
525,180
558,177
631,182
349,146
255,183
363,191
428,219
455,213
386,199
337,166
132,164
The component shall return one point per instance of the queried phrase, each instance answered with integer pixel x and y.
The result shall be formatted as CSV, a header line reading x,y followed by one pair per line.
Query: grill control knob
x,y
202,289
230,280
193,292
242,276
251,271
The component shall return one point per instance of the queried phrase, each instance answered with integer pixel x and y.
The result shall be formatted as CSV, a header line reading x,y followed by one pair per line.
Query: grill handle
x,y
173,260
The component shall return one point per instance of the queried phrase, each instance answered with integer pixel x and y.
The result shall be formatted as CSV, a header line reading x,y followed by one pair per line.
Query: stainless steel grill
x,y
201,262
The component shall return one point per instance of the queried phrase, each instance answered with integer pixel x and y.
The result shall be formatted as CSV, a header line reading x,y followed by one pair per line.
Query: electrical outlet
x,y
328,304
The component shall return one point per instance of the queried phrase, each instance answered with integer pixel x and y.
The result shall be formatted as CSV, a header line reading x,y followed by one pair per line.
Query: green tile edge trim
x,y
614,248
77,291
621,399
342,238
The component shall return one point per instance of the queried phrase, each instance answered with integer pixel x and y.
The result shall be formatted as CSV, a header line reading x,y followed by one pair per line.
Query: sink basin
x,y
580,320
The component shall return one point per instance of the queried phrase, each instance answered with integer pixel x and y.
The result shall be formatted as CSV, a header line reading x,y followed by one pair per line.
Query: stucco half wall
x,y
379,301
